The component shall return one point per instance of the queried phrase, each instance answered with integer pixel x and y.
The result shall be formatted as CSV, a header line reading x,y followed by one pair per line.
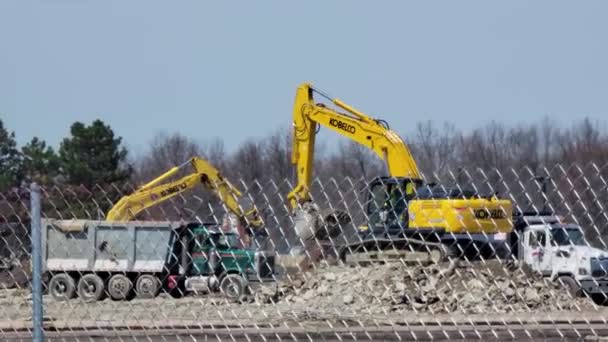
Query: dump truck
x,y
559,251
122,260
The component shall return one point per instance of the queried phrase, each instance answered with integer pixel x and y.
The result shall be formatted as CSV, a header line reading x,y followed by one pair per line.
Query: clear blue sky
x,y
230,68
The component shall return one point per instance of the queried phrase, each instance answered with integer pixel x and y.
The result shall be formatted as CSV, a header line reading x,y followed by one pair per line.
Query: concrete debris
x,y
348,299
445,288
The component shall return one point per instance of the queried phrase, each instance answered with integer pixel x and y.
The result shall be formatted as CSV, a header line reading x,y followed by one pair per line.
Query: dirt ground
x,y
377,295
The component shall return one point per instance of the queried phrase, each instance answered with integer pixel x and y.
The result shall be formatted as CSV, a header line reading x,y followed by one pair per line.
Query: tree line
x,y
92,168
91,155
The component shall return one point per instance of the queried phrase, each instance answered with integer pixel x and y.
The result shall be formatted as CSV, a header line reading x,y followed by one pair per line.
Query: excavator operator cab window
x,y
378,197
397,198
410,189
389,200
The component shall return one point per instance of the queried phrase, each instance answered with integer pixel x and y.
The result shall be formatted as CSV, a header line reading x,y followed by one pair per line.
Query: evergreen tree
x,y
93,155
10,160
40,162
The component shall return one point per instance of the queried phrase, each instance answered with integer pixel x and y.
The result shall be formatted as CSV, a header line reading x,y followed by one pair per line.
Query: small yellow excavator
x,y
205,174
403,211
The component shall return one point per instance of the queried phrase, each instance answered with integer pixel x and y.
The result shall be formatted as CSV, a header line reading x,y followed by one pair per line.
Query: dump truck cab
x,y
226,245
220,261
560,251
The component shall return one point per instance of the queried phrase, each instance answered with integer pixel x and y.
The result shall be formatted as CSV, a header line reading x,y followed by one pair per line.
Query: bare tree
x,y
522,147
215,152
248,161
584,142
277,154
489,157
434,148
165,152
548,133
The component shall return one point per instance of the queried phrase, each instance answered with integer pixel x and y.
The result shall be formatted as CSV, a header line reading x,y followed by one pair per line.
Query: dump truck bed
x,y
103,246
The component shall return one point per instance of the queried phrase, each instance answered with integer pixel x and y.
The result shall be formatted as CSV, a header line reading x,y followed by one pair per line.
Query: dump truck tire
x,y
570,285
90,288
120,287
600,298
147,286
233,286
62,287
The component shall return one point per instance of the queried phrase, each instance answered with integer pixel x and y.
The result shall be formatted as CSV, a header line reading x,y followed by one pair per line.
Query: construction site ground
x,y
447,297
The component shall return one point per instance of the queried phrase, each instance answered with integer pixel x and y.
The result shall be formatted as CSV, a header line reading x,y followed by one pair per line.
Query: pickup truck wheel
x,y
90,288
569,284
62,287
147,286
120,287
232,286
600,298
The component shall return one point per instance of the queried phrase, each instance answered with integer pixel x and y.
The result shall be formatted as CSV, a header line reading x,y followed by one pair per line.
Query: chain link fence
x,y
186,271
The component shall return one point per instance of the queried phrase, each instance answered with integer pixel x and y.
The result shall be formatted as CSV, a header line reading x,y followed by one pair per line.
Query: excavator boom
x,y
153,193
127,208
353,124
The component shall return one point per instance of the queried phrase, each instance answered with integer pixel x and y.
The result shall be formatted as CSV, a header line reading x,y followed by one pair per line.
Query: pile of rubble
x,y
452,287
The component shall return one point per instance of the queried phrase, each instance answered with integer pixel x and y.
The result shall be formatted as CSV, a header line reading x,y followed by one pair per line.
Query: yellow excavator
x,y
403,211
205,174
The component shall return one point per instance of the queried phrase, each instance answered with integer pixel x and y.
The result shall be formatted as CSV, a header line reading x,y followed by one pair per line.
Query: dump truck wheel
x,y
232,286
120,287
62,287
147,286
600,298
570,285
90,288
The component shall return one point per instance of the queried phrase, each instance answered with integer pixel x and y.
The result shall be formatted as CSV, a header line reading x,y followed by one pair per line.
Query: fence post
x,y
38,332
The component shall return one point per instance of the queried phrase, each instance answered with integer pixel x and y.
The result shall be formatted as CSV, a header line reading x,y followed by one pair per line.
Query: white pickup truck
x,y
560,252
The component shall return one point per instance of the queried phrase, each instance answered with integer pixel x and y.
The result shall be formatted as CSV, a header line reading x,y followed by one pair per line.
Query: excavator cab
x,y
387,205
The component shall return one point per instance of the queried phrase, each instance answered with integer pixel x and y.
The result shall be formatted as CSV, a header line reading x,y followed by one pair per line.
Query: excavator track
x,y
380,251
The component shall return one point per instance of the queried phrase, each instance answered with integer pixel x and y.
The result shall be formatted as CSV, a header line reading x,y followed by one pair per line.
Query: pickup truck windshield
x,y
566,236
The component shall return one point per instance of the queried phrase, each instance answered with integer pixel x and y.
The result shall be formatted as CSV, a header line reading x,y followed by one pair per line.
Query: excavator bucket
x,y
306,224
311,223
316,229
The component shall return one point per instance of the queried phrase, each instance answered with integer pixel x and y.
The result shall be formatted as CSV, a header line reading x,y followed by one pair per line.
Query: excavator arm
x,y
369,132
228,193
154,193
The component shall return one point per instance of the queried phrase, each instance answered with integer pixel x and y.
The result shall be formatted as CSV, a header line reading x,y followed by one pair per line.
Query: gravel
x,y
445,288
377,294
